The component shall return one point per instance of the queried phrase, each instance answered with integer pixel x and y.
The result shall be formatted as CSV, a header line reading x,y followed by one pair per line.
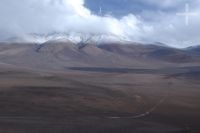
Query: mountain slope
x,y
161,53
194,50
59,55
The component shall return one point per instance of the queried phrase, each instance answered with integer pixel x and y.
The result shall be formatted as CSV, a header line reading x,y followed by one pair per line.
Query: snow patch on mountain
x,y
73,37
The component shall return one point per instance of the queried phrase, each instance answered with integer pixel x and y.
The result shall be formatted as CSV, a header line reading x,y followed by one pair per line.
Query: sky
x,y
145,21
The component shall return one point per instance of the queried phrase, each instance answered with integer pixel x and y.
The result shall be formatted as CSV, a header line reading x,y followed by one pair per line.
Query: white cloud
x,y
36,16
171,29
44,16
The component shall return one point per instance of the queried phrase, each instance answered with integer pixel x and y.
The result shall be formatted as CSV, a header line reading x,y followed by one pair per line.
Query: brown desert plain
x,y
57,87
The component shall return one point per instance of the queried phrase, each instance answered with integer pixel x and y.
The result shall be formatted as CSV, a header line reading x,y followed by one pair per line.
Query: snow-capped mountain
x,y
72,37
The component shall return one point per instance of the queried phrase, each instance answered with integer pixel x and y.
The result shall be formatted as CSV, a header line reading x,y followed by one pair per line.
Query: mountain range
x,y
58,51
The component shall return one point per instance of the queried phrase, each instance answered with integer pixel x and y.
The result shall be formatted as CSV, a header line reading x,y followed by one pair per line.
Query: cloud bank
x,y
45,16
